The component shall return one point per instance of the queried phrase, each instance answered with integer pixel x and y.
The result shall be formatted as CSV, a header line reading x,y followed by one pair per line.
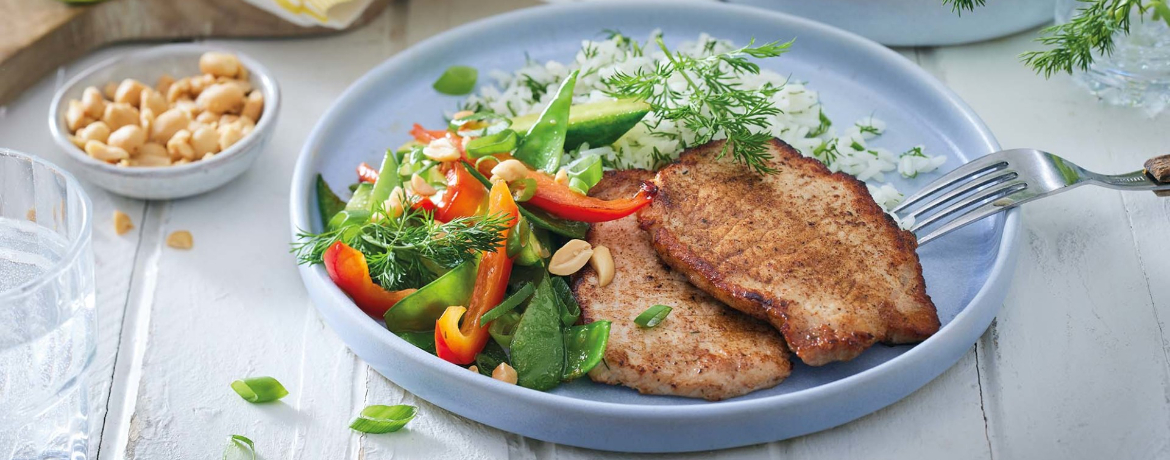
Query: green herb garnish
x,y
713,105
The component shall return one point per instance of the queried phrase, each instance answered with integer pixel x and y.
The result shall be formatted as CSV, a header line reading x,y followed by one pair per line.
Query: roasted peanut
x,y
96,131
509,170
570,258
246,125
188,106
180,240
164,83
201,83
441,149
110,90
146,119
93,102
221,98
179,147
395,204
122,223
228,136
104,152
151,160
562,177
208,119
204,141
505,373
129,138
129,92
254,106
421,187
602,263
474,368
219,64
179,90
119,114
75,117
167,124
153,100
153,149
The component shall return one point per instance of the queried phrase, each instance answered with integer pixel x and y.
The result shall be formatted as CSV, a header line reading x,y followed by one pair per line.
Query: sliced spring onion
x,y
523,189
504,328
480,124
501,142
379,419
508,304
239,448
490,358
456,80
259,389
492,161
584,173
652,316
570,310
518,238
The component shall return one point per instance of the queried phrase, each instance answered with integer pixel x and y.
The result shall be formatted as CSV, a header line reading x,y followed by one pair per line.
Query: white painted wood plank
x,y
1075,366
23,127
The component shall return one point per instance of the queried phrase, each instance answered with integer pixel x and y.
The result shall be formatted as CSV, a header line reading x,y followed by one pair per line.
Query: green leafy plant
x,y
1091,30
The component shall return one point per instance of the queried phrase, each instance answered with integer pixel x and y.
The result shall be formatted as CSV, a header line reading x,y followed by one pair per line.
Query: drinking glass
x,y
46,310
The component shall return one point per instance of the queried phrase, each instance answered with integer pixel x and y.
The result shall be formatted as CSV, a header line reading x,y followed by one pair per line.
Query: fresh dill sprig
x,y
713,104
1091,29
397,249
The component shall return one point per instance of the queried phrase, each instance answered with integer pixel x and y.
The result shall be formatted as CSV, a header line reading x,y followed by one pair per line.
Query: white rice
x,y
531,87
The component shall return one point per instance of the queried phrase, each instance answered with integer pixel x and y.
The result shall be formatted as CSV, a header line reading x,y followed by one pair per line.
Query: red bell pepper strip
x,y
367,173
425,135
347,268
459,344
464,196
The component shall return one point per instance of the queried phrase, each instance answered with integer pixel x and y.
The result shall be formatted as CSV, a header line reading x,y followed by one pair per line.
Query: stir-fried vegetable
x,y
457,80
584,348
348,269
418,311
328,204
538,347
544,143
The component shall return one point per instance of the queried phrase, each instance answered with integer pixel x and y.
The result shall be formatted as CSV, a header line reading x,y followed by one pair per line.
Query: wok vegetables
x,y
538,347
544,143
420,310
584,348
596,123
347,268
328,204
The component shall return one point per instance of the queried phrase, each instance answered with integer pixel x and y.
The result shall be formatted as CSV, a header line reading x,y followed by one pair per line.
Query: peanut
x,y
205,141
93,102
179,147
129,138
167,124
254,106
201,83
180,240
509,170
505,373
221,98
153,149
602,263
570,258
122,223
153,100
129,91
96,131
75,117
228,136
421,187
146,119
104,152
562,177
179,90
110,90
441,149
119,114
164,83
219,64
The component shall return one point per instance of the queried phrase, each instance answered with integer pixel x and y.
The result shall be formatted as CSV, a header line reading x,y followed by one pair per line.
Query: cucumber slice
x,y
596,123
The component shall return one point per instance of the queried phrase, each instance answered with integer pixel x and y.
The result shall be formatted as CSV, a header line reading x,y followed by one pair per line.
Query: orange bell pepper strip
x,y
561,201
464,196
425,135
348,269
460,343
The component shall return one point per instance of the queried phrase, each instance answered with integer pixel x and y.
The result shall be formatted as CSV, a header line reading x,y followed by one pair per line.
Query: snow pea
x,y
569,310
357,211
544,144
328,203
423,340
419,310
584,348
538,347
387,179
490,358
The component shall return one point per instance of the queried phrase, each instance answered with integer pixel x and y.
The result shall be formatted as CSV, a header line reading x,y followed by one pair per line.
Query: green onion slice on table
x,y
259,389
652,316
378,419
239,448
456,80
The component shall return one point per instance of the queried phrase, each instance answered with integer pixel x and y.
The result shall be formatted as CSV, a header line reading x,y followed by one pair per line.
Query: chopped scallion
x,y
652,316
523,189
379,419
584,173
508,304
239,448
457,80
259,389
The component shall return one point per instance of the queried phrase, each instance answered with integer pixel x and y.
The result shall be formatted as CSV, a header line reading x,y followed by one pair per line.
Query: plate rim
x,y
315,278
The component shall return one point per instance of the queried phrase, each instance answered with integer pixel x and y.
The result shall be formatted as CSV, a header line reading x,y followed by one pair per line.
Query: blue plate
x,y
967,272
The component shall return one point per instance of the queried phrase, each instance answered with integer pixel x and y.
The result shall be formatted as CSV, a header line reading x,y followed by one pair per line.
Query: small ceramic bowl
x,y
164,182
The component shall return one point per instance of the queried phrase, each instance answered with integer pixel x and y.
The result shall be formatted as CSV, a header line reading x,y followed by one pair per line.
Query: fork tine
x,y
980,166
991,194
975,185
963,220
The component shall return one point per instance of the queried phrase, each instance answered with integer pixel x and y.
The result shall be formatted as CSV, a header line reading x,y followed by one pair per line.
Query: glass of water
x,y
46,310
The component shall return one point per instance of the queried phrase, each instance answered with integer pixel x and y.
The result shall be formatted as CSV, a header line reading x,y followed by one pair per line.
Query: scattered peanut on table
x,y
180,240
130,123
122,223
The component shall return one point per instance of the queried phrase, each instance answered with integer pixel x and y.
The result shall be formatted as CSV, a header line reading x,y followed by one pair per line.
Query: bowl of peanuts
x,y
166,122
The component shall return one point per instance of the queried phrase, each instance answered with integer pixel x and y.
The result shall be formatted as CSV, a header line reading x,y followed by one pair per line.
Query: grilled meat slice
x,y
702,350
805,249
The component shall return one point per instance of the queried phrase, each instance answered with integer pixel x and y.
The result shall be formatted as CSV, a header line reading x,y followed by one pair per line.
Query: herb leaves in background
x,y
712,105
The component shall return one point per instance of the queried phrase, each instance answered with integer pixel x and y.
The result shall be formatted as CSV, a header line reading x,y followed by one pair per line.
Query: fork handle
x,y
1158,168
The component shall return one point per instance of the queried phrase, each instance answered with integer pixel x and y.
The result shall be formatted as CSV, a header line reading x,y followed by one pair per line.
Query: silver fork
x,y
1004,180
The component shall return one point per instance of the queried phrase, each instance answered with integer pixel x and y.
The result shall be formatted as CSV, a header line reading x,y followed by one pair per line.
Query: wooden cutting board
x,y
38,36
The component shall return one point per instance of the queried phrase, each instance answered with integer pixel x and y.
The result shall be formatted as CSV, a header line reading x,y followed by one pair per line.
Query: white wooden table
x,y
1076,366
